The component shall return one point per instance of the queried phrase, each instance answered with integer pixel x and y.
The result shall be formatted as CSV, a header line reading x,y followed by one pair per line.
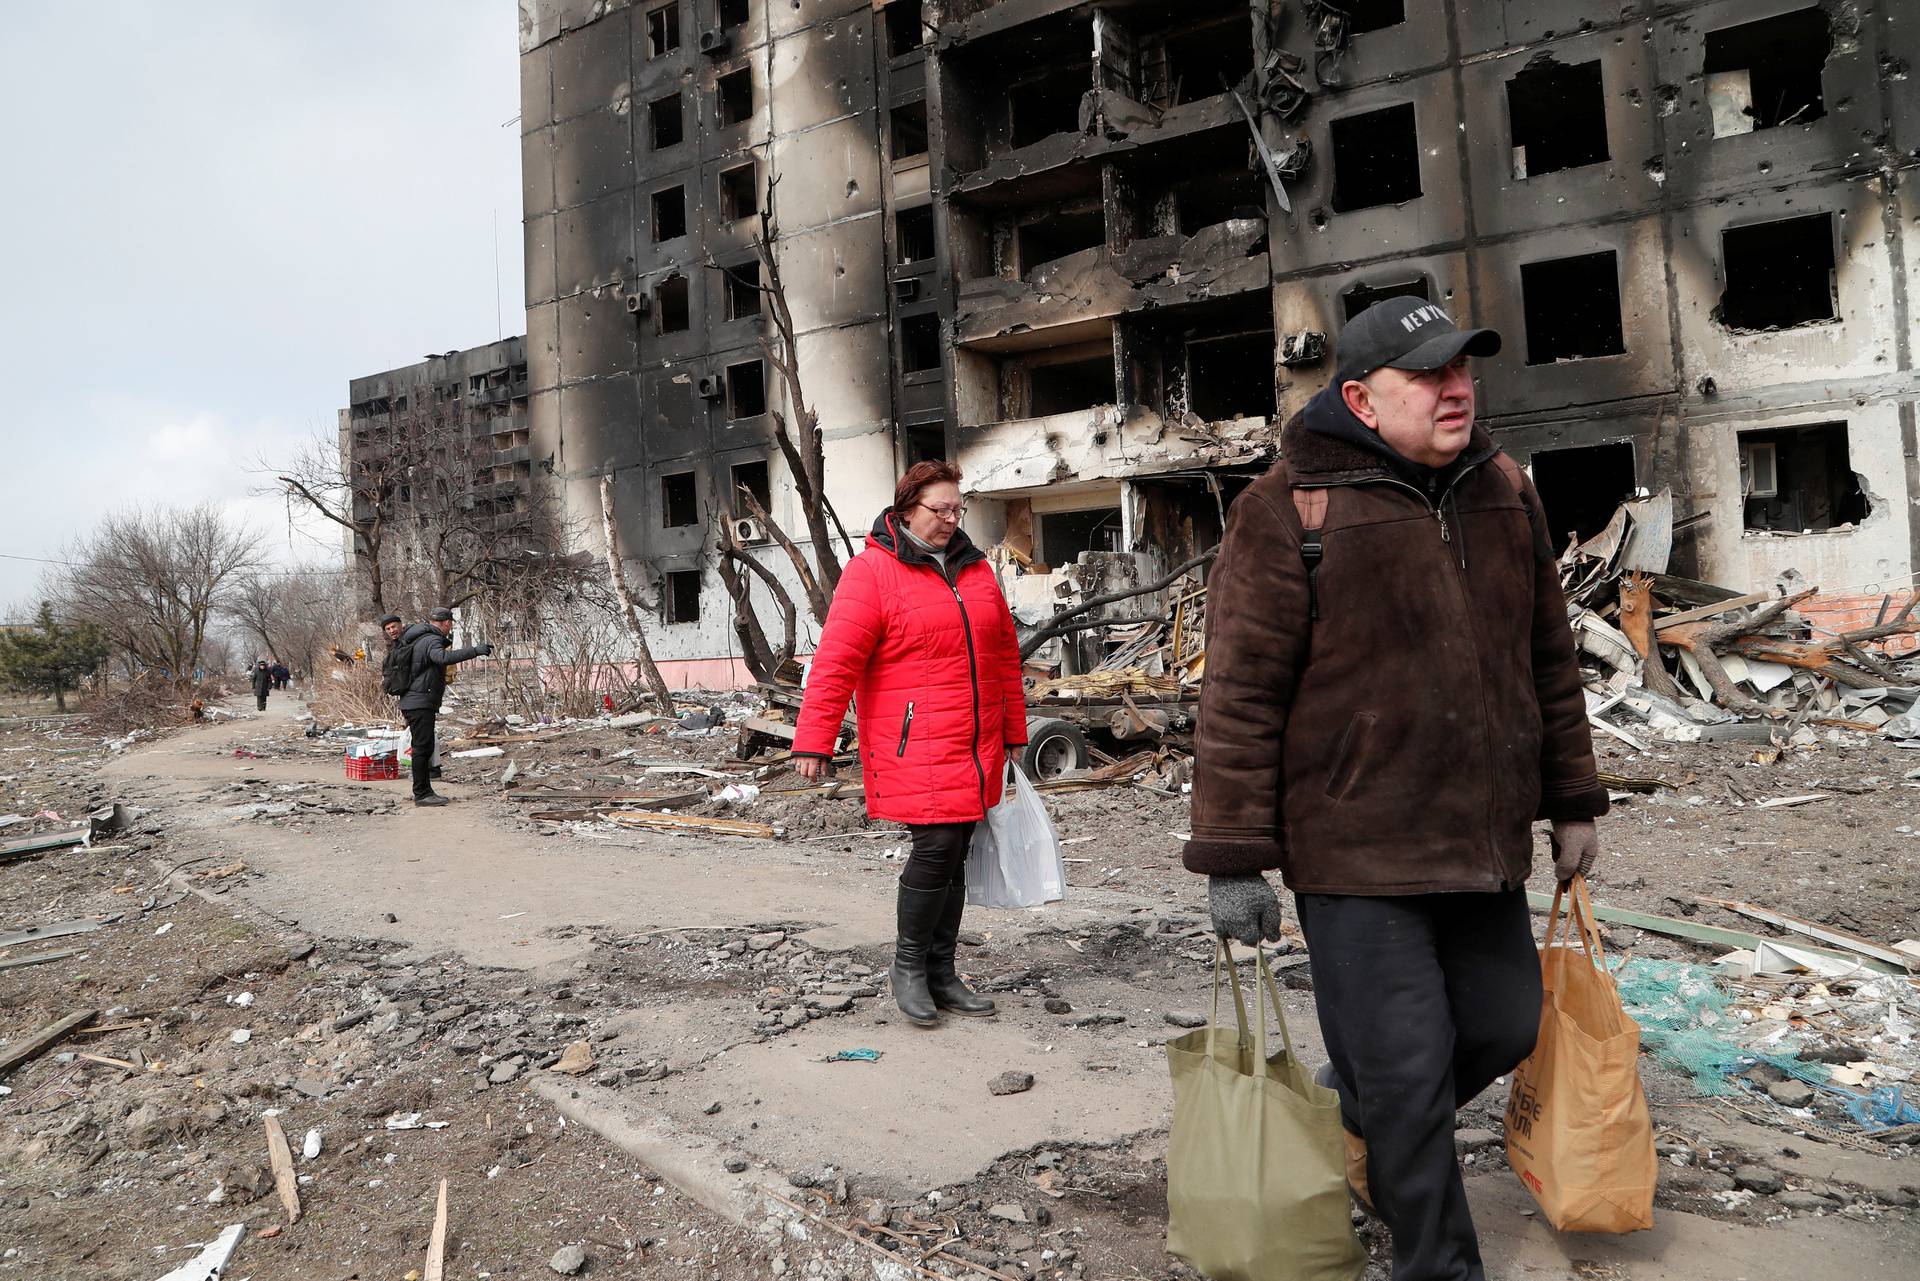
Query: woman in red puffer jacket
x,y
920,637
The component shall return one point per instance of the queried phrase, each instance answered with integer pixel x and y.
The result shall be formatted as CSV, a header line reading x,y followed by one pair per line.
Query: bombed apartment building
x,y
1096,252
441,450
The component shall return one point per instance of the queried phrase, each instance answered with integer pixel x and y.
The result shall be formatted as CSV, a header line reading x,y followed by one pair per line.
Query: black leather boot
x,y
943,977
919,918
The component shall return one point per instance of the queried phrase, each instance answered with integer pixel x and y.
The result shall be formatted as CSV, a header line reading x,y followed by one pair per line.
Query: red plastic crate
x,y
364,769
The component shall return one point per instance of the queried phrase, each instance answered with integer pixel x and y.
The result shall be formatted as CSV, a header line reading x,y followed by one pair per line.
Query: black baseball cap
x,y
1405,333
440,615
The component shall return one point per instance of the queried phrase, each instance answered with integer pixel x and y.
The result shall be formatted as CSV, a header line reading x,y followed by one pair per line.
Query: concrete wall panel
x,y
593,157
834,276
1646,368
601,422
536,172
1502,203
537,259
592,67
593,244
597,336
1858,343
845,374
822,74
543,346
827,174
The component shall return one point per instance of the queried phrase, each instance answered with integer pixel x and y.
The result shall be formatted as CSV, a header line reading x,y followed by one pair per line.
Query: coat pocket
x,y
1349,756
906,727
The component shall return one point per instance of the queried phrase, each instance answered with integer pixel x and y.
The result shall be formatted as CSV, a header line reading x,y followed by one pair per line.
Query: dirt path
x,y
458,953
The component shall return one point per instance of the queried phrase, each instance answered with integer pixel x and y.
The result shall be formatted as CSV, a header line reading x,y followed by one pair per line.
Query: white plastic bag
x,y
1014,860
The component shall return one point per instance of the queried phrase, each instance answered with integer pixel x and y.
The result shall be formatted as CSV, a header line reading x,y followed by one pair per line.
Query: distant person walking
x,y
281,675
430,653
920,636
262,682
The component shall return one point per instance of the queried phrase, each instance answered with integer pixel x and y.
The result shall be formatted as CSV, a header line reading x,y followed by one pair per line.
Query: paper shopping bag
x,y
1578,1133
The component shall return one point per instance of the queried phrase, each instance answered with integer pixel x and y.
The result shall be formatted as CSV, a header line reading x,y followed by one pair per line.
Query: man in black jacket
x,y
420,705
262,682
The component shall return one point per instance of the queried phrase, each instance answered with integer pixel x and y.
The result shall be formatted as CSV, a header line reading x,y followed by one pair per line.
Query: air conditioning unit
x,y
1760,469
710,387
905,291
747,530
639,304
714,43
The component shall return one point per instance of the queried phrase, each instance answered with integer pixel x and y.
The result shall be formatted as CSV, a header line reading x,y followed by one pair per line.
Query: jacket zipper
x,y
906,723
973,680
1486,716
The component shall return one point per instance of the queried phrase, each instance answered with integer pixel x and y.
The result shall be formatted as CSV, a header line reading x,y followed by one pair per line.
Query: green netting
x,y
1687,1021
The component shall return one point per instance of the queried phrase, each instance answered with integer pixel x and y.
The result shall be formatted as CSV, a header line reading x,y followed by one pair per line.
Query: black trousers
x,y
420,723
261,699
939,855
1424,1000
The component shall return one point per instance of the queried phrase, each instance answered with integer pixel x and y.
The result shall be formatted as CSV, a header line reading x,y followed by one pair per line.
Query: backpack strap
x,y
1536,519
1312,506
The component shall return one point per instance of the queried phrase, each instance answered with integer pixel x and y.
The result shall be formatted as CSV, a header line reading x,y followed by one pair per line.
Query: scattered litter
x,y
477,753
212,1259
412,1121
862,1055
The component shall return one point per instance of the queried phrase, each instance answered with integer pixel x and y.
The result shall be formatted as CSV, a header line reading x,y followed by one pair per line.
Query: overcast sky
x,y
216,214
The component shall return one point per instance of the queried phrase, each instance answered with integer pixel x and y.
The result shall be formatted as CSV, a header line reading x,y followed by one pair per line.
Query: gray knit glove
x,y
1244,908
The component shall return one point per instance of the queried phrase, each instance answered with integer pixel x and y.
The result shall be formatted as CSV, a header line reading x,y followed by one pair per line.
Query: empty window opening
x,y
1058,235
733,96
926,444
664,125
1066,536
1200,62
756,480
683,596
905,31
1218,198
1364,295
1800,479
746,390
742,290
1376,159
663,30
1573,308
669,214
1559,117
739,192
913,233
1231,377
1070,385
732,13
1048,105
1778,273
672,312
1373,15
1581,488
920,343
910,130
679,500
1764,74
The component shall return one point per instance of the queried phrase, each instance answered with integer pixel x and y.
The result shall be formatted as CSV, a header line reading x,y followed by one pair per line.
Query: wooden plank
x,y
14,1055
435,1269
281,1157
772,729
694,822
663,800
60,929
36,958
1825,933
1709,611
1695,932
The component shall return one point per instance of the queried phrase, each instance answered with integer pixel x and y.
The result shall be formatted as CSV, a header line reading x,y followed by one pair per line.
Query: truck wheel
x,y
1054,748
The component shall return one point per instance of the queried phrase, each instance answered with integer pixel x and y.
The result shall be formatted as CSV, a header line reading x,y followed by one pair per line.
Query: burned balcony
x,y
1019,89
1204,364
1064,295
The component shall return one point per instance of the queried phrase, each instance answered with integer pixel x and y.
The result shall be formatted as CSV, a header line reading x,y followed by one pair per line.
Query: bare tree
x,y
153,582
359,495
630,604
296,615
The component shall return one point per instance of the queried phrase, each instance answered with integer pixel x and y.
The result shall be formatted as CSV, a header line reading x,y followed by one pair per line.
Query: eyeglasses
x,y
945,513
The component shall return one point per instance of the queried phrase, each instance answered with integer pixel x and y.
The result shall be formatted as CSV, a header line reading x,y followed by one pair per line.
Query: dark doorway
x,y
1580,488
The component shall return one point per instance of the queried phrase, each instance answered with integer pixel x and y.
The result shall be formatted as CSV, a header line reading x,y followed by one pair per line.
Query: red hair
x,y
919,477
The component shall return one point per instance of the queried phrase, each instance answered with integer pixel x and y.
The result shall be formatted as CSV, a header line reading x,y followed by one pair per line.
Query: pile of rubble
x,y
1689,661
